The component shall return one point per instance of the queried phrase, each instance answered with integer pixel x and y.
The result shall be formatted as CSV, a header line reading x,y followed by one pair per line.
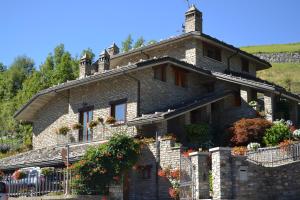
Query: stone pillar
x,y
294,112
221,173
209,115
162,128
200,162
248,94
269,101
187,118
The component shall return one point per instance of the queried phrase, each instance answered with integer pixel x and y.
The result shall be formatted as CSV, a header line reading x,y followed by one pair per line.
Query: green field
x,y
283,74
274,48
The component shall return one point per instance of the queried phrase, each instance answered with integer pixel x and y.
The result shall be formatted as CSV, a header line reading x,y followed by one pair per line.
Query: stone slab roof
x,y
45,157
179,109
255,82
196,34
26,113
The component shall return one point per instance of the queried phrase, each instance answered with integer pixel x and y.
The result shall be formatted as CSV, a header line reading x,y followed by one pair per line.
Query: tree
x,y
152,42
127,44
2,67
89,53
139,43
64,69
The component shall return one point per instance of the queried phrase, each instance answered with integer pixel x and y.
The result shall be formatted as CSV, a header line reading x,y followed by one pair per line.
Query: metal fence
x,y
55,182
275,156
187,179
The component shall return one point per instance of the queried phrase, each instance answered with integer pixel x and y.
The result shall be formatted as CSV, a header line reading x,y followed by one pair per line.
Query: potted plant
x,y
100,120
76,126
63,130
110,120
93,124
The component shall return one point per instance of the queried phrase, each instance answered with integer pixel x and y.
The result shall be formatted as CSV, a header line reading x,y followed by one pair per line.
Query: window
x,y
160,73
118,110
245,65
85,116
212,52
180,77
2,188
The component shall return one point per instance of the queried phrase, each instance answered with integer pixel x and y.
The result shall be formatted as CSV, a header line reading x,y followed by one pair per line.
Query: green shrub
x,y
105,165
47,171
199,135
276,134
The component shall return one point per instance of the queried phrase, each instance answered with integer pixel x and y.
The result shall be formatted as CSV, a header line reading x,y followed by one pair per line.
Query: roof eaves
x,y
236,49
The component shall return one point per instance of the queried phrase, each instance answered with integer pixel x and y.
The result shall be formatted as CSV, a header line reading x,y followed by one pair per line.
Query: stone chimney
x,y
193,20
104,61
85,66
113,50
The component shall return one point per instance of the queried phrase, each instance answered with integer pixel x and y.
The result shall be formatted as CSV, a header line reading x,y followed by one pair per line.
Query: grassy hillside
x,y
274,48
284,74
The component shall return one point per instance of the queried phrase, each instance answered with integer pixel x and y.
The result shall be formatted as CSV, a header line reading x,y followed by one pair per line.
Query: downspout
x,y
138,114
229,58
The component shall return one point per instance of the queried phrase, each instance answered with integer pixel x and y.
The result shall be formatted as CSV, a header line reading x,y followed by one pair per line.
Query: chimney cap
x,y
85,57
112,46
193,8
104,53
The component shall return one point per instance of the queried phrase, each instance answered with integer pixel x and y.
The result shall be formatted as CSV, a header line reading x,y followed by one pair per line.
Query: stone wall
x,y
191,51
293,57
144,188
156,95
234,177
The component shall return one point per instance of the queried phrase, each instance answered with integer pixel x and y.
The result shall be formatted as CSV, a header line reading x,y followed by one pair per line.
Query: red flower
x,y
174,193
161,173
186,153
175,174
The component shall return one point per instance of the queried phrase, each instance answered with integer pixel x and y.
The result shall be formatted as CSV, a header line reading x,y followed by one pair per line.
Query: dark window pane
x,y
2,187
245,65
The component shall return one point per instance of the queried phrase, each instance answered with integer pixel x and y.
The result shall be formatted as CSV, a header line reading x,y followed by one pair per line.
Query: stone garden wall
x,y
293,57
234,177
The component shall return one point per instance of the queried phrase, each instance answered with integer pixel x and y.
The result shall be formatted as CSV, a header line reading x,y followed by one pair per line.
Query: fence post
x,y
221,173
201,174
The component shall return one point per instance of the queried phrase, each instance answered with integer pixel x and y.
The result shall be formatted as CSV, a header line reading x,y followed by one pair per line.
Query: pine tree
x,y
127,44
139,43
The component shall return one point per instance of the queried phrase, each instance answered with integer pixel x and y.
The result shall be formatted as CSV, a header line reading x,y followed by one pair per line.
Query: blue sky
x,y
35,27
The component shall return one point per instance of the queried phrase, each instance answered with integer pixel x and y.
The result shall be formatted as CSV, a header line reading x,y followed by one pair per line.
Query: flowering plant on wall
x,y
93,124
110,120
296,133
77,126
19,174
239,151
253,146
63,130
173,175
187,152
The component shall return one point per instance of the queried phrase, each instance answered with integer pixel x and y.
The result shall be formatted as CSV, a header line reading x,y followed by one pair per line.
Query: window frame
x,y
113,105
82,112
180,77
217,52
160,73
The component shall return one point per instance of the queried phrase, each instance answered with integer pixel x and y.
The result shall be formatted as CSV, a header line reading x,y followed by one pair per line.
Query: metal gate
x,y
187,179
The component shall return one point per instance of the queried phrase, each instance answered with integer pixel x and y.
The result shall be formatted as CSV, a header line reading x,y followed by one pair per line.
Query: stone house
x,y
155,89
